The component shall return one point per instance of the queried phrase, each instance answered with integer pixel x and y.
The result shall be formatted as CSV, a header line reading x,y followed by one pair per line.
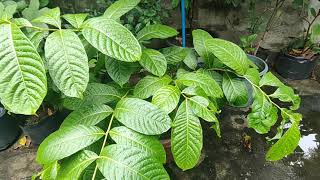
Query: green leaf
x,y
95,93
194,91
67,62
23,82
74,165
166,98
50,171
264,114
51,16
119,8
191,59
125,162
108,37
76,20
88,115
270,80
142,116
215,75
120,71
67,141
147,86
186,137
229,54
235,90
252,75
22,22
175,3
36,36
9,10
154,62
205,82
157,31
286,94
315,33
285,145
313,12
174,54
149,144
199,106
200,40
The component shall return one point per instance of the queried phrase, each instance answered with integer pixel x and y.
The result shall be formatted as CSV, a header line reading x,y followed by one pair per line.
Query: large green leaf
x,y
23,83
149,144
50,16
200,107
175,54
253,76
166,98
204,81
158,31
229,54
88,115
235,90
125,162
112,39
142,116
147,86
191,59
200,39
270,80
119,8
67,62
154,62
74,165
96,93
264,114
76,20
186,137
67,141
285,145
286,94
120,71
50,171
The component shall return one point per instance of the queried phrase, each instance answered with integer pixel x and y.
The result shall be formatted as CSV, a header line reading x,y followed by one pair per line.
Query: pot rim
x,y
301,58
265,69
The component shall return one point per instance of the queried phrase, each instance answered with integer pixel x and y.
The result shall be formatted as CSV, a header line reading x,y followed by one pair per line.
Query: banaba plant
x,y
114,128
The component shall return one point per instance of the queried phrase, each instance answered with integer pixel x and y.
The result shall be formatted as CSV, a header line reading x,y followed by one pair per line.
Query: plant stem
x,y
103,145
308,31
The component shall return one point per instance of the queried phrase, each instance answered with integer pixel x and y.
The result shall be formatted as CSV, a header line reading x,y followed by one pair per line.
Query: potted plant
x,y
299,59
114,127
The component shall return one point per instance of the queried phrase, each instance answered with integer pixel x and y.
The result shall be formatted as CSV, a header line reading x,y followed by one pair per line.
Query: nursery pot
x,y
44,126
9,130
296,68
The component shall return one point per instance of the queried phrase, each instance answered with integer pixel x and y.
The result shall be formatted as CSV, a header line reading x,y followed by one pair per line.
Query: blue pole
x,y
183,23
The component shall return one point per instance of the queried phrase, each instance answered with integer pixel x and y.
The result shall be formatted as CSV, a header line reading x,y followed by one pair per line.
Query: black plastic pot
x,y
9,130
295,68
47,125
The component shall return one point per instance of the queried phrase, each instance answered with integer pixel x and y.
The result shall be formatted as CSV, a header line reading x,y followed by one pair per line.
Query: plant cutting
x,y
113,130
299,59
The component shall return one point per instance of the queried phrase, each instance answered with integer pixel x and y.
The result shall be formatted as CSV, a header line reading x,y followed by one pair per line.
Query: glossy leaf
x,y
108,37
229,54
166,98
120,71
119,8
142,116
96,93
270,80
50,171
191,59
154,62
147,86
235,90
22,22
264,114
23,83
253,76
125,162
88,115
174,54
200,40
51,16
67,141
285,145
67,62
205,82
157,31
149,144
199,106
74,165
186,137
76,20
286,94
